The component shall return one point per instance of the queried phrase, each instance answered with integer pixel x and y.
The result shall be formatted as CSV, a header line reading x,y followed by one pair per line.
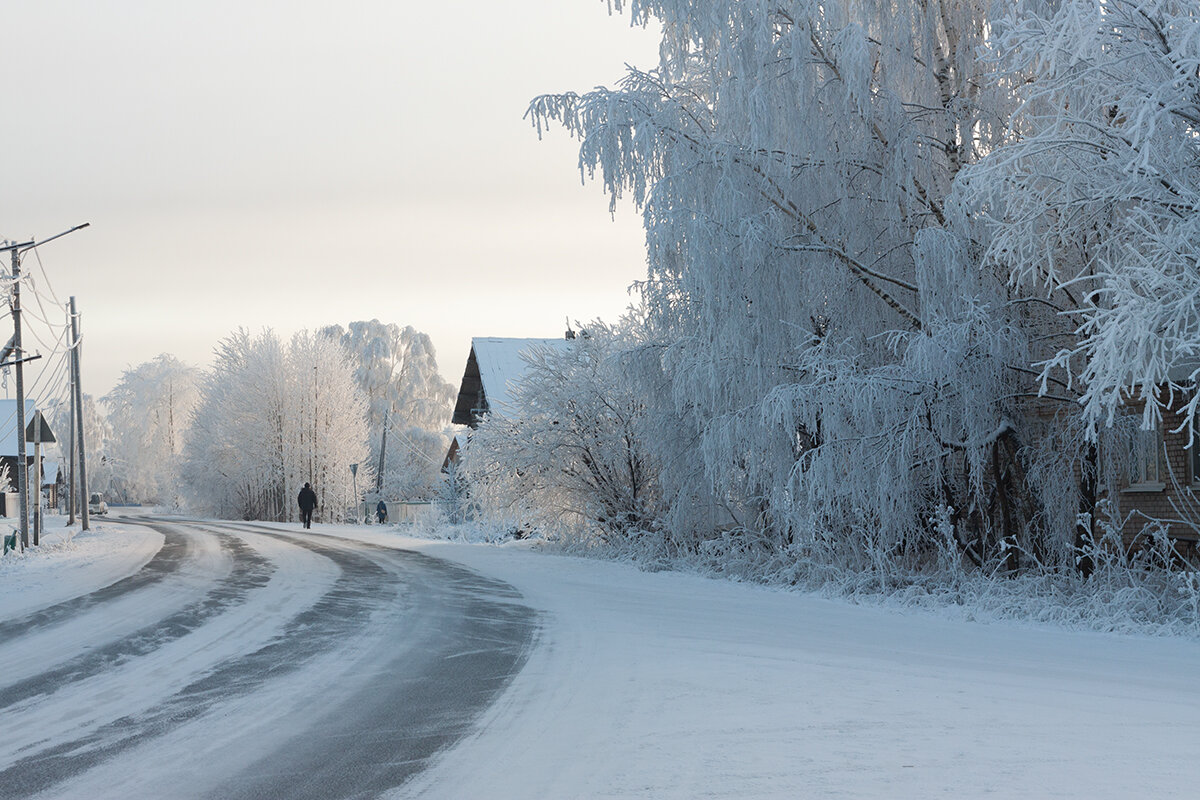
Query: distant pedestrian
x,y
308,502
381,512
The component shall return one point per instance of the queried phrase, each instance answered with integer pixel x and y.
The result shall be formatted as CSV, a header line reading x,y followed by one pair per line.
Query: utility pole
x,y
382,453
71,450
15,250
22,465
82,452
41,434
7,352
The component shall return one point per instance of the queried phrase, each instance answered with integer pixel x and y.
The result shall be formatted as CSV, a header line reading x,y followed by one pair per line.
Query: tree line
x,y
237,440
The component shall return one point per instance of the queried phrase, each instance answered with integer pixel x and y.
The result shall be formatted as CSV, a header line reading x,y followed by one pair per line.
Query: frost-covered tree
x,y
1092,200
97,440
270,418
570,452
397,370
149,411
845,363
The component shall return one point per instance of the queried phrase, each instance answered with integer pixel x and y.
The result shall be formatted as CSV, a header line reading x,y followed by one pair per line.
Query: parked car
x,y
96,504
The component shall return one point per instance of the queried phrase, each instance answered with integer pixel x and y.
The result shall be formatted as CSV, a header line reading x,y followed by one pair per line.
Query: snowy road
x,y
171,660
244,661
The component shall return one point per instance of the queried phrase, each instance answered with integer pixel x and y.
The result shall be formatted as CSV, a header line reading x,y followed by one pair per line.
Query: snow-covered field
x,y
666,685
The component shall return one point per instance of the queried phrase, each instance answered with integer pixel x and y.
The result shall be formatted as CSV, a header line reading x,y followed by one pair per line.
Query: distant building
x,y
54,482
8,449
494,368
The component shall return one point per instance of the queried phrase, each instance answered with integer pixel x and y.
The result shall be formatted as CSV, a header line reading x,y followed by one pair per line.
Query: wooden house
x,y
494,367
1162,481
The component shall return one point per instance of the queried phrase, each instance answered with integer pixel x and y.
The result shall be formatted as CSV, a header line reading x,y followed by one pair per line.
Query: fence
x,y
398,511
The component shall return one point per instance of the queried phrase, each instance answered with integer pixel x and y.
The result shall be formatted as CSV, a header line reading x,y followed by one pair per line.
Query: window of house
x,y
1145,471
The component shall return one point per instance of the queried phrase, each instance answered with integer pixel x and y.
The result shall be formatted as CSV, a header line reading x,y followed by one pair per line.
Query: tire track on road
x,y
347,605
392,665
250,571
475,638
165,562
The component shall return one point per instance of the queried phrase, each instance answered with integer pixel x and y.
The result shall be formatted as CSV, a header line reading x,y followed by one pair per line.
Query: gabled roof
x,y
8,427
494,367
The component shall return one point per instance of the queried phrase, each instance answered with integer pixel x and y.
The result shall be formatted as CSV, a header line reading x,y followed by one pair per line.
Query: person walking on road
x,y
307,501
381,512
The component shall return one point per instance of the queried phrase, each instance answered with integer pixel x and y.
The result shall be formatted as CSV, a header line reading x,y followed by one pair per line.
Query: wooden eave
x,y
470,394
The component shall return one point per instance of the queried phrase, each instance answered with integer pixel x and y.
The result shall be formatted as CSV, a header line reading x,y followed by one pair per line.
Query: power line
x,y
38,255
411,446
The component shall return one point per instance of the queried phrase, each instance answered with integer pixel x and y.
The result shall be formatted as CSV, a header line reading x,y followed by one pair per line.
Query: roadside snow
x,y
70,562
674,686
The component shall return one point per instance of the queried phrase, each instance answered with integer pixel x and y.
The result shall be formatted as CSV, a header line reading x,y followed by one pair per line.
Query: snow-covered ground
x,y
666,685
70,562
660,685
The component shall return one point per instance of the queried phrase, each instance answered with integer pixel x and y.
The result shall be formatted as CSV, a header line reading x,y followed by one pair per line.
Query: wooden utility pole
x,y
22,464
382,454
37,478
5,354
71,447
82,451
15,251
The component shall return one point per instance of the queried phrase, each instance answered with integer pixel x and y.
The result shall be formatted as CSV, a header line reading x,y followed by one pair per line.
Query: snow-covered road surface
x,y
674,686
243,661
249,661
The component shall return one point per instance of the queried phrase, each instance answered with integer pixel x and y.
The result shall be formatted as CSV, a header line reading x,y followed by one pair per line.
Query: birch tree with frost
x,y
397,370
1092,201
571,452
270,418
848,365
149,411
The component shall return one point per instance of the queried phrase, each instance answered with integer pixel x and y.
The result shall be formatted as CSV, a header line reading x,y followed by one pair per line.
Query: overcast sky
x,y
296,164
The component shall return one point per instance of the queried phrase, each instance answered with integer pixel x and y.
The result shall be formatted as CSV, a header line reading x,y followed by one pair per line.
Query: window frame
x,y
1147,442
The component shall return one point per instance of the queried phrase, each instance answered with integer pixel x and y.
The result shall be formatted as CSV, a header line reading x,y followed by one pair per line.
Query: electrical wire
x,y
50,360
411,446
53,296
47,388
44,316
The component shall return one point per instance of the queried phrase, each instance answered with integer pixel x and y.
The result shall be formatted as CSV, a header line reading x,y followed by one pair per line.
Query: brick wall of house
x,y
1175,501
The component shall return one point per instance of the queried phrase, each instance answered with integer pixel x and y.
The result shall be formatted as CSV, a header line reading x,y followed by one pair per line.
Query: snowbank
x,y
69,563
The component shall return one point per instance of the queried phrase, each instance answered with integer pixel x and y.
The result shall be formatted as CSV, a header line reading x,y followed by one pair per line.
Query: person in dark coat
x,y
307,501
381,512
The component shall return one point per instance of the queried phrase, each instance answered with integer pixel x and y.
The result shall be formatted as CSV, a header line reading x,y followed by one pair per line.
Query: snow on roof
x,y
502,365
494,367
49,472
8,427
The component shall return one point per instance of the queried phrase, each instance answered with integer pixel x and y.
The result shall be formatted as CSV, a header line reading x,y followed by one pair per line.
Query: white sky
x,y
296,164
